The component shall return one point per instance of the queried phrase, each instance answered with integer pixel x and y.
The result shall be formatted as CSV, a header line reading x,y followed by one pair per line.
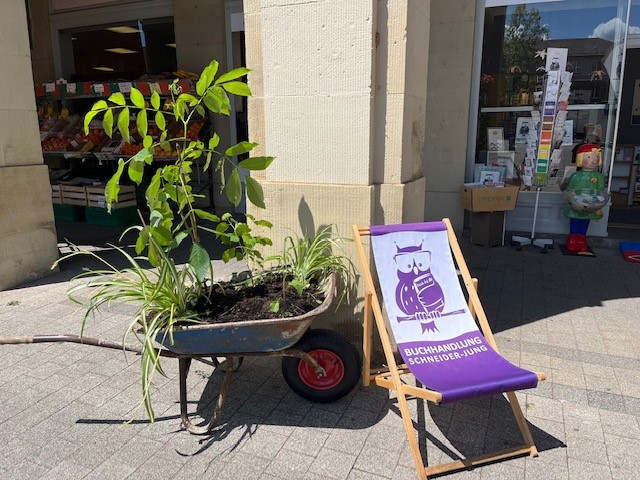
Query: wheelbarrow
x,y
319,365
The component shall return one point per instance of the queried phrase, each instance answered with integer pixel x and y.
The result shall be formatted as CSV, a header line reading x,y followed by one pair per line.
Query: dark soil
x,y
227,304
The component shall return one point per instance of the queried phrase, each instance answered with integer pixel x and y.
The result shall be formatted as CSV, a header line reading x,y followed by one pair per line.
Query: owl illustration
x,y
418,294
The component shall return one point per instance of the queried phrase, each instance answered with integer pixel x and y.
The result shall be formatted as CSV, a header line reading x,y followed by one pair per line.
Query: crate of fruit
x,y
96,197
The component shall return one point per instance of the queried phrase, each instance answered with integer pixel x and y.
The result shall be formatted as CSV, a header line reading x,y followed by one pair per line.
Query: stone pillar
x,y
28,244
339,99
448,99
201,37
41,48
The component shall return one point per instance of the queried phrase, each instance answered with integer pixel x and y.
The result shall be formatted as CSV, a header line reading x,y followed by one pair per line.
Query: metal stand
x,y
543,243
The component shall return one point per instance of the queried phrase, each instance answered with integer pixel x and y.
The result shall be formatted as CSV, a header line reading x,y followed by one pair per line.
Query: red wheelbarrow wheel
x,y
335,354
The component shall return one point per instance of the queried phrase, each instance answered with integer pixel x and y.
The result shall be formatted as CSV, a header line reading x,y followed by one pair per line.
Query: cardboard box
x,y
619,199
488,199
487,228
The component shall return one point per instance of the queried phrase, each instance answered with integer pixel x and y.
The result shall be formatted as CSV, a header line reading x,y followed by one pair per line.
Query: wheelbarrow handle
x,y
97,342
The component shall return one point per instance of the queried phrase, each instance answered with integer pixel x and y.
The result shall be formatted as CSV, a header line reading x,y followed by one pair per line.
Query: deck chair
x,y
435,329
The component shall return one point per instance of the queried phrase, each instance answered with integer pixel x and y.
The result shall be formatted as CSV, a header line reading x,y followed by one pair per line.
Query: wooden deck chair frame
x,y
390,377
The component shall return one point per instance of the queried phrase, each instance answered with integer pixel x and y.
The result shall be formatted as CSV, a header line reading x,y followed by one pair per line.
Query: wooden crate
x,y
73,195
56,198
96,198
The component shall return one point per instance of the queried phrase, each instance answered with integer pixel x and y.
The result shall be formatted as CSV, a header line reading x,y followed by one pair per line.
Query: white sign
x,y
125,87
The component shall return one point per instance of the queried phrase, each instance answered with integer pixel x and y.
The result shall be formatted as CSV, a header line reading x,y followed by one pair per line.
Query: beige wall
x,y
342,108
28,244
450,59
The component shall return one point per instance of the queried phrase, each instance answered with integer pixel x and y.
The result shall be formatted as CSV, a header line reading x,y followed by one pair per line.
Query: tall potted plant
x,y
179,307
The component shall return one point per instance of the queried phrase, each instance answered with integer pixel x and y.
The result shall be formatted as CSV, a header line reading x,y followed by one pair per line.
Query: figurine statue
x,y
586,194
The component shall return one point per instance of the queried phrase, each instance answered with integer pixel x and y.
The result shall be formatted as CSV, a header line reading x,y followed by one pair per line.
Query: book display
x,y
547,133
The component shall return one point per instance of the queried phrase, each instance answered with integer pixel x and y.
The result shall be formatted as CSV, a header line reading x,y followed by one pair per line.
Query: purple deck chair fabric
x,y
436,334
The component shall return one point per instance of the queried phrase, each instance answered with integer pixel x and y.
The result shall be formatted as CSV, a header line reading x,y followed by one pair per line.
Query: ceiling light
x,y
104,69
172,45
122,29
120,50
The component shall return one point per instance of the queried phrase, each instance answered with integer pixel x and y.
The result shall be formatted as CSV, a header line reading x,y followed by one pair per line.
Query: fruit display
x,y
62,132
130,149
55,143
194,128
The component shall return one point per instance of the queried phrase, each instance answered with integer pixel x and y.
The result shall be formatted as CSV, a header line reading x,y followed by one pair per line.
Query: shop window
x,y
128,51
513,64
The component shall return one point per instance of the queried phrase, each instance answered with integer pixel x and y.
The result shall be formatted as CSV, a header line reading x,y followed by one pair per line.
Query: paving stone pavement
x,y
62,406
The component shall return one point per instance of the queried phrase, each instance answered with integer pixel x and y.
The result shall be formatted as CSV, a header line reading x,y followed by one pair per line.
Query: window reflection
x,y
516,38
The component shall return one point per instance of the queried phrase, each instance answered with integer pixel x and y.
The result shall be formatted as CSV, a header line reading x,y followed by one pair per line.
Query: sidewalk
x,y
62,405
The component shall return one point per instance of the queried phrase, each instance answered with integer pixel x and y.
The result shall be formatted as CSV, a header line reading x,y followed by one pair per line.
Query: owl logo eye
x,y
406,261
422,260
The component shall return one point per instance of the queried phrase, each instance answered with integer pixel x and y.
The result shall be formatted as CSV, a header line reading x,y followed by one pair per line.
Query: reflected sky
x,y
582,18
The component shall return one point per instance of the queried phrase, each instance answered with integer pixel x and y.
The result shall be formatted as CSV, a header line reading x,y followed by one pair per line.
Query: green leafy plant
x,y
164,298
170,188
169,295
308,261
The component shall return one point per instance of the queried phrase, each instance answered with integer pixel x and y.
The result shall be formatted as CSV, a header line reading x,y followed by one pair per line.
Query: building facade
x,y
374,109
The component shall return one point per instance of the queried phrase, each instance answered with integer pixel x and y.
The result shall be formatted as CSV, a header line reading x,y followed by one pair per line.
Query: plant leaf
x,y
228,254
178,239
113,186
211,102
136,164
237,88
141,122
232,75
142,241
200,261
155,218
136,97
155,100
151,193
107,122
256,163
233,188
118,99
161,235
264,223
274,306
206,77
214,141
160,122
87,119
240,148
99,105
147,141
206,215
123,123
254,192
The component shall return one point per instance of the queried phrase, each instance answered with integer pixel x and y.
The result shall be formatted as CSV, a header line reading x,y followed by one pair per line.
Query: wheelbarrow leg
x,y
185,363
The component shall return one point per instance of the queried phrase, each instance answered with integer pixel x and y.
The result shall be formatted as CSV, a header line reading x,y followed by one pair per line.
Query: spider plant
x,y
164,297
308,261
